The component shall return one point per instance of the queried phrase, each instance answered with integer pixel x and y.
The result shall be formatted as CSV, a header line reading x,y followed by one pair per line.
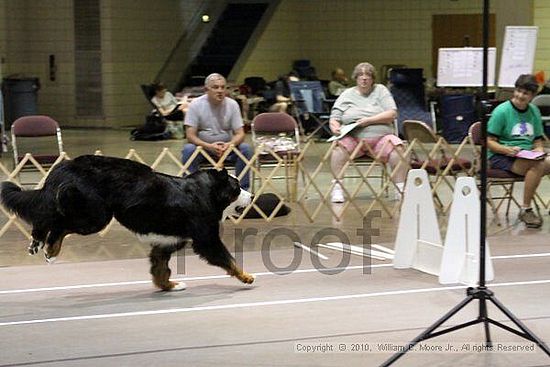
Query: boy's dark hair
x,y
527,82
157,87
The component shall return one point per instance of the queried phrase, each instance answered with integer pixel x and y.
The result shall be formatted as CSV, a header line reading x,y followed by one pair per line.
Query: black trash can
x,y
20,98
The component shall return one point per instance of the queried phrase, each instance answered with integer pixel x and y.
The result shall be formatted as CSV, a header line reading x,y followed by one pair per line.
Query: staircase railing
x,y
189,43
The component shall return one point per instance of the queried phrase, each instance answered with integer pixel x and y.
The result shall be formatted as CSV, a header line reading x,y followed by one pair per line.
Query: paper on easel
x,y
344,130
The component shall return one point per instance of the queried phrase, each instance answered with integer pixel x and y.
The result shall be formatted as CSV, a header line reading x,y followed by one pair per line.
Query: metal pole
x,y
483,173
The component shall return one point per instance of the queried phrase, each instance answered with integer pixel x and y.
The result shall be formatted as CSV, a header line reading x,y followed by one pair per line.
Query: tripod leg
x,y
426,333
528,333
485,318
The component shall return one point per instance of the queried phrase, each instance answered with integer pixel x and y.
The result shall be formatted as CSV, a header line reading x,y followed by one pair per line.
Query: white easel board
x,y
518,54
463,67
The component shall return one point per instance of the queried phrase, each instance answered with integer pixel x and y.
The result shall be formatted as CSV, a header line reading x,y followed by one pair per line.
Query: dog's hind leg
x,y
54,242
159,257
215,253
38,240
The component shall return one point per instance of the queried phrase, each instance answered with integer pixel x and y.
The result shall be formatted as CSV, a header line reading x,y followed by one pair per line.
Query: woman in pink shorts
x,y
373,107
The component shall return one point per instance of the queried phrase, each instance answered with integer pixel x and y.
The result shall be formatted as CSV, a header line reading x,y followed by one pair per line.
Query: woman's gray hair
x,y
210,78
364,67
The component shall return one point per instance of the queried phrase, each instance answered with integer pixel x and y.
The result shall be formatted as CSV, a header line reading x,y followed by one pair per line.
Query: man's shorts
x,y
501,161
384,144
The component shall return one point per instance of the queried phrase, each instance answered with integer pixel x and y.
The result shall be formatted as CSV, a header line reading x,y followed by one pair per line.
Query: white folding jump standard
x,y
460,262
418,243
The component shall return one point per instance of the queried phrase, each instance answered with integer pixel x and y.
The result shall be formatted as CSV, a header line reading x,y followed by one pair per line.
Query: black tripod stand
x,y
480,293
483,294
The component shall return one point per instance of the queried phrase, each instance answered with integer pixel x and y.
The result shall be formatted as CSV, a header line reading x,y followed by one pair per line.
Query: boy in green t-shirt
x,y
517,125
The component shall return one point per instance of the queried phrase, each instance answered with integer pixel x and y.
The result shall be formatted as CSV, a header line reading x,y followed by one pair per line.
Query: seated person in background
x,y
213,121
282,92
373,107
339,82
171,108
516,125
239,95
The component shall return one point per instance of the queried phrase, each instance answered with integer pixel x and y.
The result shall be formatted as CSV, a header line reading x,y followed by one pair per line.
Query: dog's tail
x,y
23,203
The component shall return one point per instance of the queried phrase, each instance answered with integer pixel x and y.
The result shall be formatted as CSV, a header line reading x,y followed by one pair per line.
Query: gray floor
x,y
96,305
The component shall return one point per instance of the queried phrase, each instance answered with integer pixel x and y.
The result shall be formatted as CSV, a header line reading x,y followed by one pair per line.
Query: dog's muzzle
x,y
244,199
237,207
240,208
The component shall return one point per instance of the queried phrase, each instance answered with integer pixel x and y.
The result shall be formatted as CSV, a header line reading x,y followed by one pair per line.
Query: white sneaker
x,y
337,194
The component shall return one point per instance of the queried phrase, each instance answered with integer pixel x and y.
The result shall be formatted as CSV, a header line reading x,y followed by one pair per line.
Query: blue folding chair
x,y
407,88
310,107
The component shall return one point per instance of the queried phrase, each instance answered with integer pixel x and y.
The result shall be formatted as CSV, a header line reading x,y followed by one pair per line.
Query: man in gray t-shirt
x,y
213,121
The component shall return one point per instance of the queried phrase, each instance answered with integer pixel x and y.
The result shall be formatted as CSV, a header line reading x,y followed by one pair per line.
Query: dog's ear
x,y
223,174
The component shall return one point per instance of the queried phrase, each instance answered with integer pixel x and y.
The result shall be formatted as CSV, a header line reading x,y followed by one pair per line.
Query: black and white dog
x,y
82,195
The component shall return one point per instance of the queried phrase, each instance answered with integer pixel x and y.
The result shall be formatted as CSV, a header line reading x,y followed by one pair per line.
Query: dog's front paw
x,y
179,286
172,286
50,260
246,278
35,246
